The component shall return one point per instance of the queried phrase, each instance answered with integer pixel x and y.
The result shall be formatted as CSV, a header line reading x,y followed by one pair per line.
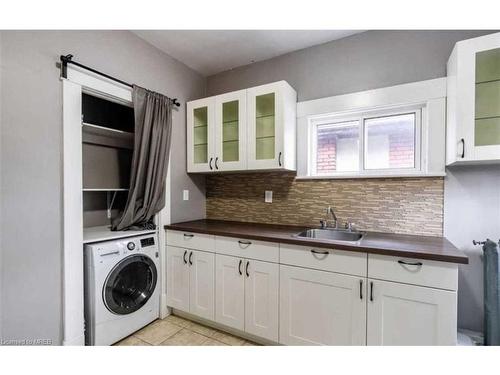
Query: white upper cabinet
x,y
201,135
473,108
230,131
252,129
271,126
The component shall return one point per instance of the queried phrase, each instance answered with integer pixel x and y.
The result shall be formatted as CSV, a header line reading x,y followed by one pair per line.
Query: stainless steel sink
x,y
331,235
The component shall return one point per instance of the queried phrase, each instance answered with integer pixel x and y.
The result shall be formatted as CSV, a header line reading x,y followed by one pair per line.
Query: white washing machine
x,y
121,288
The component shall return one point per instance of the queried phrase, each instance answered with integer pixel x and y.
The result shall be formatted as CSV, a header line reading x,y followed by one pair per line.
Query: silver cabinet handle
x,y
410,263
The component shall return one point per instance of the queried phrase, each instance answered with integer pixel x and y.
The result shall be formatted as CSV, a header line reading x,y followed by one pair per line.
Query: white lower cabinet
x,y
230,291
261,299
201,284
341,298
177,278
321,308
247,295
190,281
401,314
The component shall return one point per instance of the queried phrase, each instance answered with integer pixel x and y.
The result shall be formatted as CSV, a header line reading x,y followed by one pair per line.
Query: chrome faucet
x,y
324,223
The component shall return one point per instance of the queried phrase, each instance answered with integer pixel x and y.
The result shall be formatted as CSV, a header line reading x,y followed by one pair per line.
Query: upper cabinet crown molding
x,y
252,129
473,101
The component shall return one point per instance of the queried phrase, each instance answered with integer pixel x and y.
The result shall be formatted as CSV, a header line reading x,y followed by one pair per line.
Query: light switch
x,y
269,196
185,195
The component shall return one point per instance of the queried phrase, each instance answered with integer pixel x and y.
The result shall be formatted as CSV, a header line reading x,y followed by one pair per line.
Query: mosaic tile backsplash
x,y
394,205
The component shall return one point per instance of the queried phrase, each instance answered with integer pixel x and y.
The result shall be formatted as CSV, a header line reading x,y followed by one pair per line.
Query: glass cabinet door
x,y
230,131
487,98
200,135
200,143
265,125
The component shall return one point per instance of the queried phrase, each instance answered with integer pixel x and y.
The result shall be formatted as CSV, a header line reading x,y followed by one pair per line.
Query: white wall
x,y
471,212
31,144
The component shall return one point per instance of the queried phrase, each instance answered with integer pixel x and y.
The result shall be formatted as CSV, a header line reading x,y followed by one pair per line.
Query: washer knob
x,y
131,246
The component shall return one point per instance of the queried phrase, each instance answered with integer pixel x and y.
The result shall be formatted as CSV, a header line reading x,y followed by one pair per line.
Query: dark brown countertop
x,y
404,245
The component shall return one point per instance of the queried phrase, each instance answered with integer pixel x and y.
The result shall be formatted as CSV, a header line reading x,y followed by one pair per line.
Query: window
x,y
366,143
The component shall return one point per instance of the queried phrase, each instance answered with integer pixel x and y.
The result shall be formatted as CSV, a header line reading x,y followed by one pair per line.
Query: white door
x,y
230,291
265,126
402,314
261,299
231,131
321,308
201,284
200,135
177,278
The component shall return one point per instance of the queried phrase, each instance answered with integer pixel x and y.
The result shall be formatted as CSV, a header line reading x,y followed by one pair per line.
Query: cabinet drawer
x,y
196,241
251,249
413,271
347,262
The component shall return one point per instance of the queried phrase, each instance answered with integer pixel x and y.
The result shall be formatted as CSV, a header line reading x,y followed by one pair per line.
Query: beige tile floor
x,y
174,330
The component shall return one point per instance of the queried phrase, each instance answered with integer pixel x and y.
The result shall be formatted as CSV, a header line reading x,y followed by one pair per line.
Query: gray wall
x,y
472,212
31,159
383,58
360,62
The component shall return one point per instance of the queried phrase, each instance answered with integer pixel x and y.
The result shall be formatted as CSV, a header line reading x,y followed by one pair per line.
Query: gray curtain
x,y
153,130
491,293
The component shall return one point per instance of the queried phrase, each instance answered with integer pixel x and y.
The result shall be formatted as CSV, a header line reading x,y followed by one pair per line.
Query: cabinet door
x,y
265,127
487,104
201,284
200,135
230,291
261,299
321,308
402,314
231,131
177,278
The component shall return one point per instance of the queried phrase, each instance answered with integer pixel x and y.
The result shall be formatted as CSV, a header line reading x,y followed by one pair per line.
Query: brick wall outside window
x,y
401,148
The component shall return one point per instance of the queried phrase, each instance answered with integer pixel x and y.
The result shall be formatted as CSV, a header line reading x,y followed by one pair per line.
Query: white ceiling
x,y
214,51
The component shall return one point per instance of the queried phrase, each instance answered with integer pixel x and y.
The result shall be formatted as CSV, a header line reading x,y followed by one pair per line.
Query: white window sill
x,y
387,175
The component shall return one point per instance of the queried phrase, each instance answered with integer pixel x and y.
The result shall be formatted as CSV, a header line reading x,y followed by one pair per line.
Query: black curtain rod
x,y
68,59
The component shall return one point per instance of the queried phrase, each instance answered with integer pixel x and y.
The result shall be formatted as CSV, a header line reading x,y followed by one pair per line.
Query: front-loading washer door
x,y
130,284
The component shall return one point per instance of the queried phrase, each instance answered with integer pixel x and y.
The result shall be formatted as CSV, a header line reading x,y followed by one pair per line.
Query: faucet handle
x,y
350,226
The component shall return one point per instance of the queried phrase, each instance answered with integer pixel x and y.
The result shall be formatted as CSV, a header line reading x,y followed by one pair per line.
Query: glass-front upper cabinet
x,y
201,135
473,108
230,131
271,117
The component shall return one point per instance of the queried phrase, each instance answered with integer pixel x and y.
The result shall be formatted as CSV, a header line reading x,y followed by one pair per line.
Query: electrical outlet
x,y
268,196
185,195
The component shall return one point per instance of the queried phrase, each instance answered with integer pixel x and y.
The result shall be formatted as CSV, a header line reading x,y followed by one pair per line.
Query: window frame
x,y
361,116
